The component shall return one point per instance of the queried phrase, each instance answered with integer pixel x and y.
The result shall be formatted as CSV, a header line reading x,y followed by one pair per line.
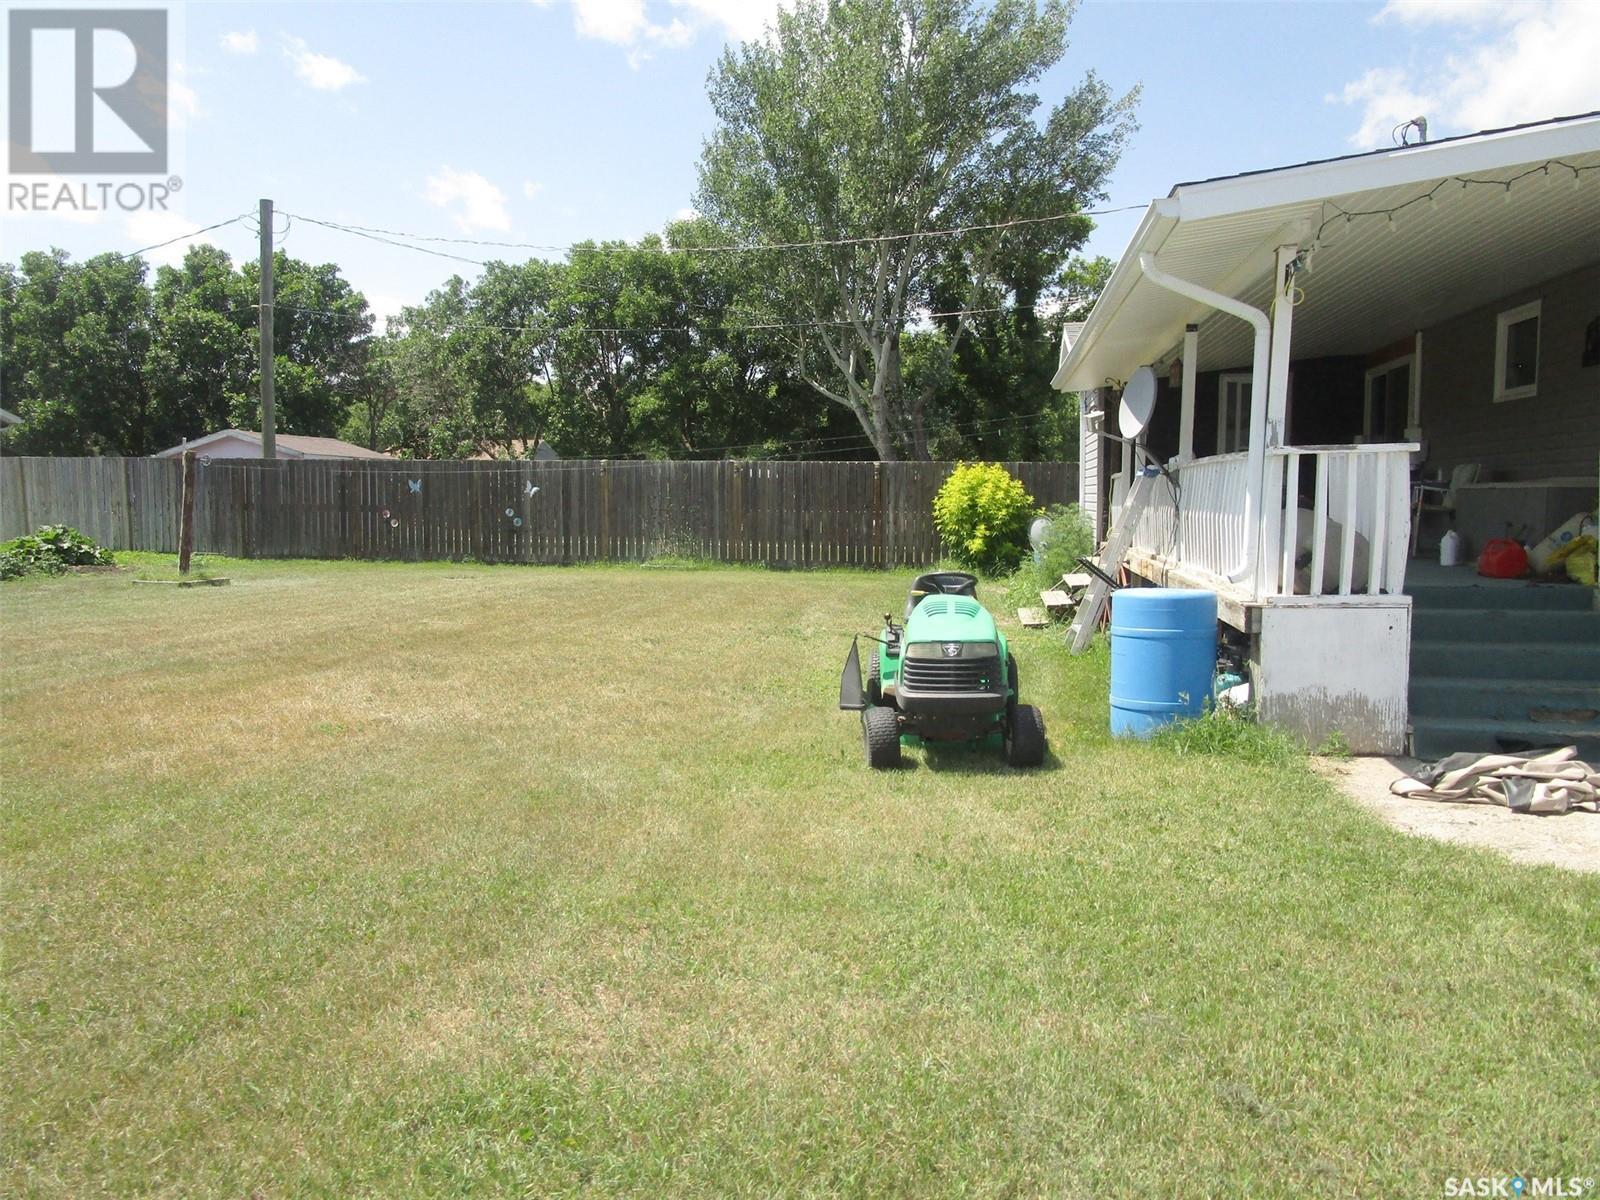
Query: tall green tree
x,y
202,359
322,333
509,343
422,357
861,119
75,338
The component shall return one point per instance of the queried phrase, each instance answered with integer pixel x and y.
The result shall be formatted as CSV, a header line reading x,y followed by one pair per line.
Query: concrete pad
x,y
1571,841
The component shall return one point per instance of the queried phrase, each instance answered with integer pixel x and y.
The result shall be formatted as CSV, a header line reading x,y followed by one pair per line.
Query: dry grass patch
x,y
360,879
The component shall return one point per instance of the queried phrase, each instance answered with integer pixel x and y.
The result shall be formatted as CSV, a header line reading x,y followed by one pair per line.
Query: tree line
x,y
916,215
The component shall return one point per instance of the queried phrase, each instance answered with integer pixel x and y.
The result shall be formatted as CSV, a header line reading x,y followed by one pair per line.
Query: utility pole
x,y
269,433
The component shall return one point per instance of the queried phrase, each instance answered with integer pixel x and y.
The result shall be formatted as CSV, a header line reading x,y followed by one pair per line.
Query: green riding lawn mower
x,y
945,675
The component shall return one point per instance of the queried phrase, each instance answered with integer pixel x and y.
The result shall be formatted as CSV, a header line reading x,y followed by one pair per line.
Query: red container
x,y
1503,558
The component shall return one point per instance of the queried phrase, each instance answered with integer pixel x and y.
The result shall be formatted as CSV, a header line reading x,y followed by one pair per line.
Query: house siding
x,y
1554,433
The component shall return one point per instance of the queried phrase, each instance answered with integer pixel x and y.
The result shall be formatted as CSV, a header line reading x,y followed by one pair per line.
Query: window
x,y
1233,413
1388,402
1516,353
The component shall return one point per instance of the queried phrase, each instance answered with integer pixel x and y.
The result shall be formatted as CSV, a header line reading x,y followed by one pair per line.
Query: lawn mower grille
x,y
950,674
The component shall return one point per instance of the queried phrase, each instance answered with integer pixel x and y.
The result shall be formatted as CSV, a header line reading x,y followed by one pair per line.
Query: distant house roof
x,y
519,449
289,445
8,418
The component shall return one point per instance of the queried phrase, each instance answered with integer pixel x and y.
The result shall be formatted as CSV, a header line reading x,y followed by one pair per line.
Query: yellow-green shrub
x,y
982,514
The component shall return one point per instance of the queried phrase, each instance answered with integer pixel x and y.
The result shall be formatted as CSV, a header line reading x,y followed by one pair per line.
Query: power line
x,y
640,458
182,237
843,323
373,236
378,234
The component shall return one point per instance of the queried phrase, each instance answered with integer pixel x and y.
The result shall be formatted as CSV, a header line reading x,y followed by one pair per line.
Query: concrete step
x,y
1547,702
1482,658
1502,595
1506,625
1433,738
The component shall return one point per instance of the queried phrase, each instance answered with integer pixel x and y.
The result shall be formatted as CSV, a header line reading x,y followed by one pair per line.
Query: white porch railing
x,y
1335,520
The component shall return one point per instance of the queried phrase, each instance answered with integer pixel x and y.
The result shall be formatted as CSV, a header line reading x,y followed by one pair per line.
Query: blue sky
x,y
568,119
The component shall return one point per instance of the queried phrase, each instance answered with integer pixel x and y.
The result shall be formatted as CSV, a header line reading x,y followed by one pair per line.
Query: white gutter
x,y
1256,461
1158,221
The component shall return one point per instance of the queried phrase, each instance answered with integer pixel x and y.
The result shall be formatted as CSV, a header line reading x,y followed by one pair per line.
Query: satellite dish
x,y
1138,402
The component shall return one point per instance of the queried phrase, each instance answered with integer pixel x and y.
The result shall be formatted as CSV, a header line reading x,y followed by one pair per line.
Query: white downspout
x,y
1256,460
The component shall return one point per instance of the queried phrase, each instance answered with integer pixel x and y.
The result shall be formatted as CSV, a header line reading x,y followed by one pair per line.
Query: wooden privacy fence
x,y
780,513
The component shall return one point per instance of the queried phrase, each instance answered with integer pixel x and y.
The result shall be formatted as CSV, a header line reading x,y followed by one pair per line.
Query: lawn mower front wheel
x,y
880,733
1025,736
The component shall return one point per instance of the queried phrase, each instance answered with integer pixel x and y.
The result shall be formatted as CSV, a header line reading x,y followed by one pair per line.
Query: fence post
x,y
186,518
877,515
605,512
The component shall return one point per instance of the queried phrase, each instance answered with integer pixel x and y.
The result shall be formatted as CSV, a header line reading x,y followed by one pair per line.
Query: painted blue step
x,y
1506,625
1549,702
1433,738
1502,595
1486,659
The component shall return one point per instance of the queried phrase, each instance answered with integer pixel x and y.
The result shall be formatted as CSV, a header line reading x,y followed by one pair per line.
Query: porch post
x,y
1281,493
1191,350
1278,369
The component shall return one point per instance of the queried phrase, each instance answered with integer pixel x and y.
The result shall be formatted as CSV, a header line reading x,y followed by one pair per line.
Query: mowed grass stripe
x,y
449,880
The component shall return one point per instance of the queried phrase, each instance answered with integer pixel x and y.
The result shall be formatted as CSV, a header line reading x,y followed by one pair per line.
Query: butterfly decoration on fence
x,y
415,485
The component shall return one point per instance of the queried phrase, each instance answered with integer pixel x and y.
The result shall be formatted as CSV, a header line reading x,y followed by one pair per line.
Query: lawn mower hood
x,y
941,618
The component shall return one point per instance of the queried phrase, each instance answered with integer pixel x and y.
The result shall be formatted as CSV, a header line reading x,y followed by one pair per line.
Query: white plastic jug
x,y
1450,549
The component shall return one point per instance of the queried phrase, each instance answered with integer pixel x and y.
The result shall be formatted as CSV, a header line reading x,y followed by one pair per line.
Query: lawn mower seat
x,y
948,583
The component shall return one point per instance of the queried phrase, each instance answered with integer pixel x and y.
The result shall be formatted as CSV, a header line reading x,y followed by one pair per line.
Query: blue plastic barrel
x,y
1163,657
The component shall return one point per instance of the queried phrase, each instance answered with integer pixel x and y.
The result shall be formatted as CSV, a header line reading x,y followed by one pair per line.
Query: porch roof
x,y
1369,280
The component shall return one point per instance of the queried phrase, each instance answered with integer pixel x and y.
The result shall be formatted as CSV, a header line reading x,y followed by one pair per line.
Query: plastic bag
x,y
1580,564
1547,553
1503,558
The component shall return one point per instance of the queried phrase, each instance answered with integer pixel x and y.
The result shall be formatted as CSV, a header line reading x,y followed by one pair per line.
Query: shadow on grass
x,y
964,758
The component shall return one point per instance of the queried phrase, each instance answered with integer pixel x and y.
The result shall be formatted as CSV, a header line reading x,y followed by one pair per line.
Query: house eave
x,y
1272,205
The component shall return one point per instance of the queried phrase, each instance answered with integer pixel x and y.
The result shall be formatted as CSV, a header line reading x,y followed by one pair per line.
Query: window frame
x,y
1502,334
1382,369
1244,403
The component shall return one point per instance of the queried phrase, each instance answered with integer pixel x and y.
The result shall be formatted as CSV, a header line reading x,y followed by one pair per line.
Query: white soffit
x,y
1369,284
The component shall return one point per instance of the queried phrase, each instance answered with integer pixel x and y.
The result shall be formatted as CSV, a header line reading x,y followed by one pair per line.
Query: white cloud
x,y
1445,12
1387,100
321,71
531,190
741,20
1495,64
183,102
241,41
482,204
385,307
148,228
633,24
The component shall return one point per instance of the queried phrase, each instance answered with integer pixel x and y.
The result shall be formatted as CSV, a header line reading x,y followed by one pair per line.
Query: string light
x,y
1430,197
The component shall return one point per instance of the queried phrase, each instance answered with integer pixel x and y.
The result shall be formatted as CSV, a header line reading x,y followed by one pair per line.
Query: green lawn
x,y
398,880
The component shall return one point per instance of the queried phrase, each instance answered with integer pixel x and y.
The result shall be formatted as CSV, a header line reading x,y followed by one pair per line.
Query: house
x,y
1323,334
8,418
490,451
244,443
